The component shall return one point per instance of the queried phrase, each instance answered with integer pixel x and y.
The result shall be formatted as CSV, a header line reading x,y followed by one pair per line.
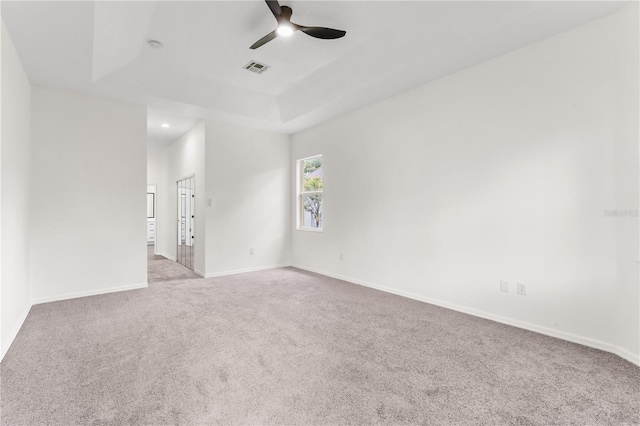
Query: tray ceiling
x,y
102,48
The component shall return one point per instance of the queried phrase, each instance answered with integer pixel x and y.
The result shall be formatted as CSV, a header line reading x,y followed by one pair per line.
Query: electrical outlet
x,y
504,286
341,256
522,289
252,251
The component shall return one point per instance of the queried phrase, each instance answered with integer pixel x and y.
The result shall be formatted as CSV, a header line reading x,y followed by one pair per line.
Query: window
x,y
310,193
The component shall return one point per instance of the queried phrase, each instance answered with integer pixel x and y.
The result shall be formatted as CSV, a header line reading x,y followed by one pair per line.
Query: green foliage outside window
x,y
312,182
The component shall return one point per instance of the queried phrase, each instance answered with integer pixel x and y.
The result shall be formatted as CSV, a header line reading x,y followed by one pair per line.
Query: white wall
x,y
248,183
15,166
88,217
154,167
183,158
500,172
627,180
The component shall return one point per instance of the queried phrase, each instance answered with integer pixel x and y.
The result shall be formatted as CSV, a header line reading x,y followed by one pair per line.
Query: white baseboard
x,y
242,271
628,355
586,341
199,273
14,332
88,293
175,259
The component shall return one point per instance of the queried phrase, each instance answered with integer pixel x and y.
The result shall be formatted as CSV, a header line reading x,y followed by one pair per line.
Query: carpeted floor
x,y
290,347
160,269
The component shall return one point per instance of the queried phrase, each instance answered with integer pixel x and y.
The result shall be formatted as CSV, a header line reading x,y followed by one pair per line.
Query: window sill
x,y
310,229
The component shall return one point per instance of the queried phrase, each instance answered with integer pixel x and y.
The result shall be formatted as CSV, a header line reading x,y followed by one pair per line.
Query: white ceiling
x,y
391,46
160,137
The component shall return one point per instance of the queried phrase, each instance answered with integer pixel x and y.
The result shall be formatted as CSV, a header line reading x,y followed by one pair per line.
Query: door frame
x,y
155,214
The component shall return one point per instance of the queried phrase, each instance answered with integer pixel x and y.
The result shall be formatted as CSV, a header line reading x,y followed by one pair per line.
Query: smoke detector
x,y
256,67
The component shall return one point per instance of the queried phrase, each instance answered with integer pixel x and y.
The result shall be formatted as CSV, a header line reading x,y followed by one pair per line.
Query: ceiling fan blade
x,y
264,40
285,14
274,6
321,32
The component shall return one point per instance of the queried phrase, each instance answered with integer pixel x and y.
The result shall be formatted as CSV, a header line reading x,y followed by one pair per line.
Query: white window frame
x,y
300,194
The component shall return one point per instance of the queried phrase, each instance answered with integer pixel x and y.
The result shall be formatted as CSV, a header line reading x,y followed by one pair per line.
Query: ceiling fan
x,y
286,27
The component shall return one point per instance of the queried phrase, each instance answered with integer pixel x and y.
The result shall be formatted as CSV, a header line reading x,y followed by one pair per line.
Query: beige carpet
x,y
289,347
160,269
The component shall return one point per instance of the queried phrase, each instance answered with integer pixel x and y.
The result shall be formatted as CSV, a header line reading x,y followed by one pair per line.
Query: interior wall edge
x,y
167,255
78,294
14,333
15,191
558,334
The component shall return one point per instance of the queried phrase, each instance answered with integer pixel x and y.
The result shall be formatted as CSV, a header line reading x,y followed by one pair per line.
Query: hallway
x,y
160,269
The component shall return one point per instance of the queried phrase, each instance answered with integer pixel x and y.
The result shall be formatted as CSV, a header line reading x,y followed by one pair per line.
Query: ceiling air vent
x,y
256,67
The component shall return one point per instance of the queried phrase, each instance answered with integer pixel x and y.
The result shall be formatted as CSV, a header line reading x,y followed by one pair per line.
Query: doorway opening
x,y
186,221
151,218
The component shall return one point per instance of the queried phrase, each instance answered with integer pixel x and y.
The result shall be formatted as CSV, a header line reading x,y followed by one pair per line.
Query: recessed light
x,y
155,44
165,125
284,30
